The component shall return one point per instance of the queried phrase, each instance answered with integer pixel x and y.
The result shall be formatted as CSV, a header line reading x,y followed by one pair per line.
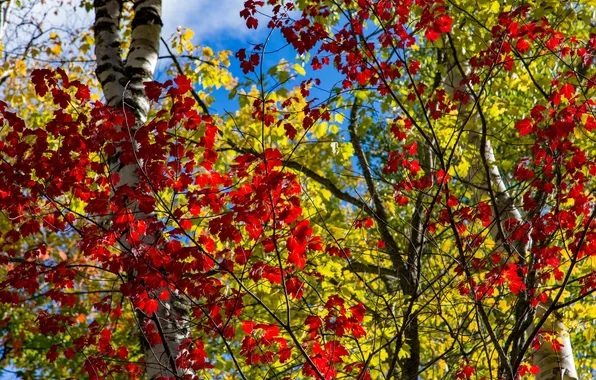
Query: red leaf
x,y
69,353
465,373
524,127
252,23
38,79
164,295
248,326
297,249
186,224
153,90
241,54
432,35
295,288
414,67
452,201
567,91
183,83
122,352
52,354
83,92
590,124
468,371
358,311
522,45
516,286
151,306
290,130
557,345
335,351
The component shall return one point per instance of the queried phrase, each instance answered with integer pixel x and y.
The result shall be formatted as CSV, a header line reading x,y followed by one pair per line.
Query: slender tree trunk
x,y
5,8
122,84
406,273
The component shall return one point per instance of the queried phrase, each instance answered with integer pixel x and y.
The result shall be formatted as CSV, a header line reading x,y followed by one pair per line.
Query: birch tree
x,y
122,81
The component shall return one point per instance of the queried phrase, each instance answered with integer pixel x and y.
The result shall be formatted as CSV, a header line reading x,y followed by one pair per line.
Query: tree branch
x,y
380,214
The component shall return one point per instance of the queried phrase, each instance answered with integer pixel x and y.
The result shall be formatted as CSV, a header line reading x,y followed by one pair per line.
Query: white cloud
x,y
213,21
209,19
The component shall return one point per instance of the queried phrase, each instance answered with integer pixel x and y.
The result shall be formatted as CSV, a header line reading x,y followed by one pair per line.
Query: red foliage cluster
x,y
42,181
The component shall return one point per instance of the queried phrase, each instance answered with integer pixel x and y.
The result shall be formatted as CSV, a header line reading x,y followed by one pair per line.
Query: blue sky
x,y
217,24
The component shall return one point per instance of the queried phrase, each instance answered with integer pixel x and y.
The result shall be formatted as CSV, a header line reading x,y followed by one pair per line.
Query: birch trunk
x,y
554,364
5,8
122,84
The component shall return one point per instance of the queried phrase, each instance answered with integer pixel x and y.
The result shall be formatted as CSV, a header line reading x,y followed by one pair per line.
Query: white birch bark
x,y
554,364
122,84
5,8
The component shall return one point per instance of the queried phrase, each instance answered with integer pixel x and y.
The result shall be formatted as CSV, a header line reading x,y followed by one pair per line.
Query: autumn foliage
x,y
428,215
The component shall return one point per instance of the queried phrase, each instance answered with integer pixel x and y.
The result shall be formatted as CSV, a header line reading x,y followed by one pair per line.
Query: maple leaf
x,y
358,311
335,351
52,353
69,353
524,127
432,35
153,90
556,344
297,252
122,352
164,295
522,45
252,23
290,131
295,288
241,54
183,83
151,306
38,78
567,91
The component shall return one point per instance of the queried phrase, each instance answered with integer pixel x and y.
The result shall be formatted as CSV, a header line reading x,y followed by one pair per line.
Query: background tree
x,y
419,207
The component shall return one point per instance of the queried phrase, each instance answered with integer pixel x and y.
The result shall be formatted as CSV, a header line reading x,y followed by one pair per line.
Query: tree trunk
x,y
554,364
407,274
122,84
5,8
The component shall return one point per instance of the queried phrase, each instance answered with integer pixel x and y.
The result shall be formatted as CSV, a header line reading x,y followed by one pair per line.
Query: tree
x,y
409,197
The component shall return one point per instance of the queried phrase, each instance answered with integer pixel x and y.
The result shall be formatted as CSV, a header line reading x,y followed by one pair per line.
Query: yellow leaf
x,y
494,7
299,69
56,49
447,244
187,35
404,352
207,52
21,67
